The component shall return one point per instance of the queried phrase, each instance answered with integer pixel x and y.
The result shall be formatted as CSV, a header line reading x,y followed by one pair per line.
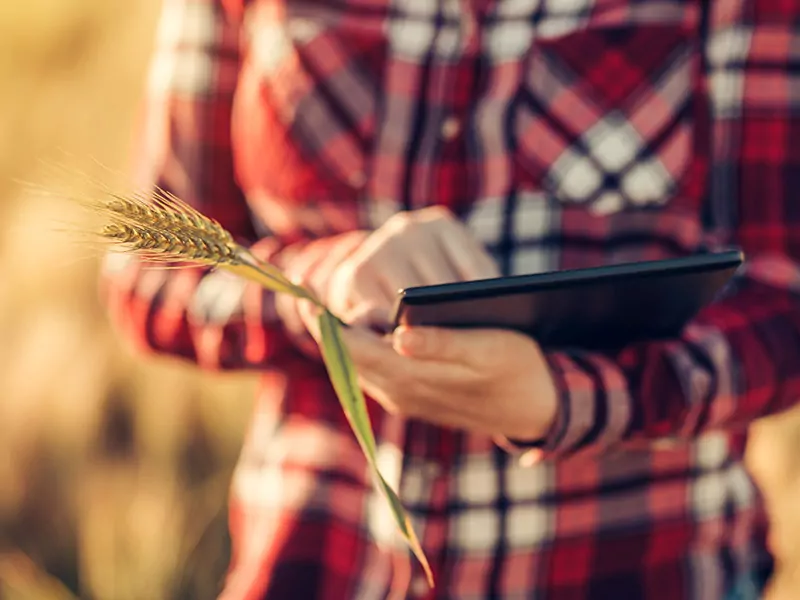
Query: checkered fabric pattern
x,y
565,133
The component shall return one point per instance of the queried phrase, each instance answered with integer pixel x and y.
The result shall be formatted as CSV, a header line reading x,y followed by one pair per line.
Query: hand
x,y
492,382
312,268
423,247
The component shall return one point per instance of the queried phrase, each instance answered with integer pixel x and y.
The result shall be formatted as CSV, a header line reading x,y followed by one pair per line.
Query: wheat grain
x,y
170,245
160,228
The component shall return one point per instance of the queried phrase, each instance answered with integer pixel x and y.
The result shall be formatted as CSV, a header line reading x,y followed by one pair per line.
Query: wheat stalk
x,y
160,228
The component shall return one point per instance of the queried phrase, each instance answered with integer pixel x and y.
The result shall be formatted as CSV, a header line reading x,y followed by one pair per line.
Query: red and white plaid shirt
x,y
566,133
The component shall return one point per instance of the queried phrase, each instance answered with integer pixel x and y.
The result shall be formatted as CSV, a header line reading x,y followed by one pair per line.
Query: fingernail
x,y
343,324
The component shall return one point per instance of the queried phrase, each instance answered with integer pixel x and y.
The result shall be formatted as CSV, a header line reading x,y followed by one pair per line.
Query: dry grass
x,y
113,468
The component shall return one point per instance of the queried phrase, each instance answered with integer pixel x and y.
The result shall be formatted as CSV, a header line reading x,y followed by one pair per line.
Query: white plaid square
x,y
709,493
647,182
533,217
412,29
516,9
607,203
727,49
475,529
476,481
574,176
526,261
613,142
529,525
508,39
485,220
529,483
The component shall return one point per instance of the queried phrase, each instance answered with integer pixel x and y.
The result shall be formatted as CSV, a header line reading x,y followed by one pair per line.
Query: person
x,y
368,146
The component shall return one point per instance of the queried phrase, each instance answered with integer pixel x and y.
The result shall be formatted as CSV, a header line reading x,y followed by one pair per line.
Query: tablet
x,y
603,308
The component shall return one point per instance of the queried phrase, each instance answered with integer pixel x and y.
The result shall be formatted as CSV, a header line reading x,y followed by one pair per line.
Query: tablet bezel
x,y
524,284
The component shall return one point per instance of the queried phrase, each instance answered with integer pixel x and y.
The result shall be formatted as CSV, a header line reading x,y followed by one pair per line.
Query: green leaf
x,y
344,377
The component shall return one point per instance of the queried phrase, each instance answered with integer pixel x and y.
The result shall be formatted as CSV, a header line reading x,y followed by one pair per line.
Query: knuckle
x,y
348,274
296,273
409,406
343,281
434,214
400,221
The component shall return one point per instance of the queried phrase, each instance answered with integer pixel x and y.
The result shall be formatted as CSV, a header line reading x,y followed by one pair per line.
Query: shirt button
x,y
418,587
432,470
451,127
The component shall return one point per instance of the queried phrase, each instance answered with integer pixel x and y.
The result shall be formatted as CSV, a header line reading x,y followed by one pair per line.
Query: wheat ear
x,y
160,228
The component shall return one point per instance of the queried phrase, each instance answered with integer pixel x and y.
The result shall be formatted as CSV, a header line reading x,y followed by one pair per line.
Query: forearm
x,y
209,317
739,360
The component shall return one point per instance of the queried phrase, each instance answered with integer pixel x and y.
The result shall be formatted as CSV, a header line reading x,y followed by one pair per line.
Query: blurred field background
x,y
114,468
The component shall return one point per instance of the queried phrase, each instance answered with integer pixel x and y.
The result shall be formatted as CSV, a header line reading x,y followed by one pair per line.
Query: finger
x,y
413,388
319,277
382,372
395,271
379,363
356,280
297,268
469,259
306,261
419,232
404,255
426,343
368,315
431,264
425,399
371,351
473,348
347,291
309,315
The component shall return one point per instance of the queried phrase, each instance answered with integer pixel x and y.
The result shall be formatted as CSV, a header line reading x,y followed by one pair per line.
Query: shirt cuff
x,y
594,409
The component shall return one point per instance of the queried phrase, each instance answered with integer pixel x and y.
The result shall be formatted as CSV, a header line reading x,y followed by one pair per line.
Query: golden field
x,y
113,477
113,467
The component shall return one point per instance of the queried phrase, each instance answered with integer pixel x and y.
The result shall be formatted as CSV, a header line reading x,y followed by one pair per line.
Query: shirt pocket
x,y
612,119
307,99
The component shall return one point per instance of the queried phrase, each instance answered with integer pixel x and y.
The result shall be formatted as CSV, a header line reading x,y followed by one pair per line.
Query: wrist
x,y
542,408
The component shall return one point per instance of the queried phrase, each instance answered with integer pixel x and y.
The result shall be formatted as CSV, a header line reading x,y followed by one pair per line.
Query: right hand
x,y
423,247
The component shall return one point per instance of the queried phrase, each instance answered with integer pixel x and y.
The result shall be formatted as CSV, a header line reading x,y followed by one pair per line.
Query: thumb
x,y
432,343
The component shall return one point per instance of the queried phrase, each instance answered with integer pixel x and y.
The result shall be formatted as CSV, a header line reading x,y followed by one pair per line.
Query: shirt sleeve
x,y
740,358
209,317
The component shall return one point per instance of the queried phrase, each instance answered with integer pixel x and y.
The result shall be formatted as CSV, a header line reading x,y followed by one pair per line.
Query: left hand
x,y
492,382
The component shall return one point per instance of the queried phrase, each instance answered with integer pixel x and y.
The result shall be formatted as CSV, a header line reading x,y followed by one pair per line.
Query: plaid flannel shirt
x,y
565,133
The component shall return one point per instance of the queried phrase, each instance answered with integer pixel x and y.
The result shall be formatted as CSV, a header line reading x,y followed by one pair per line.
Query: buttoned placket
x,y
453,124
451,131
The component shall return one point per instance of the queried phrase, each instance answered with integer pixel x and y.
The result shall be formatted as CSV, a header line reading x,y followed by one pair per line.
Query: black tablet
x,y
603,308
